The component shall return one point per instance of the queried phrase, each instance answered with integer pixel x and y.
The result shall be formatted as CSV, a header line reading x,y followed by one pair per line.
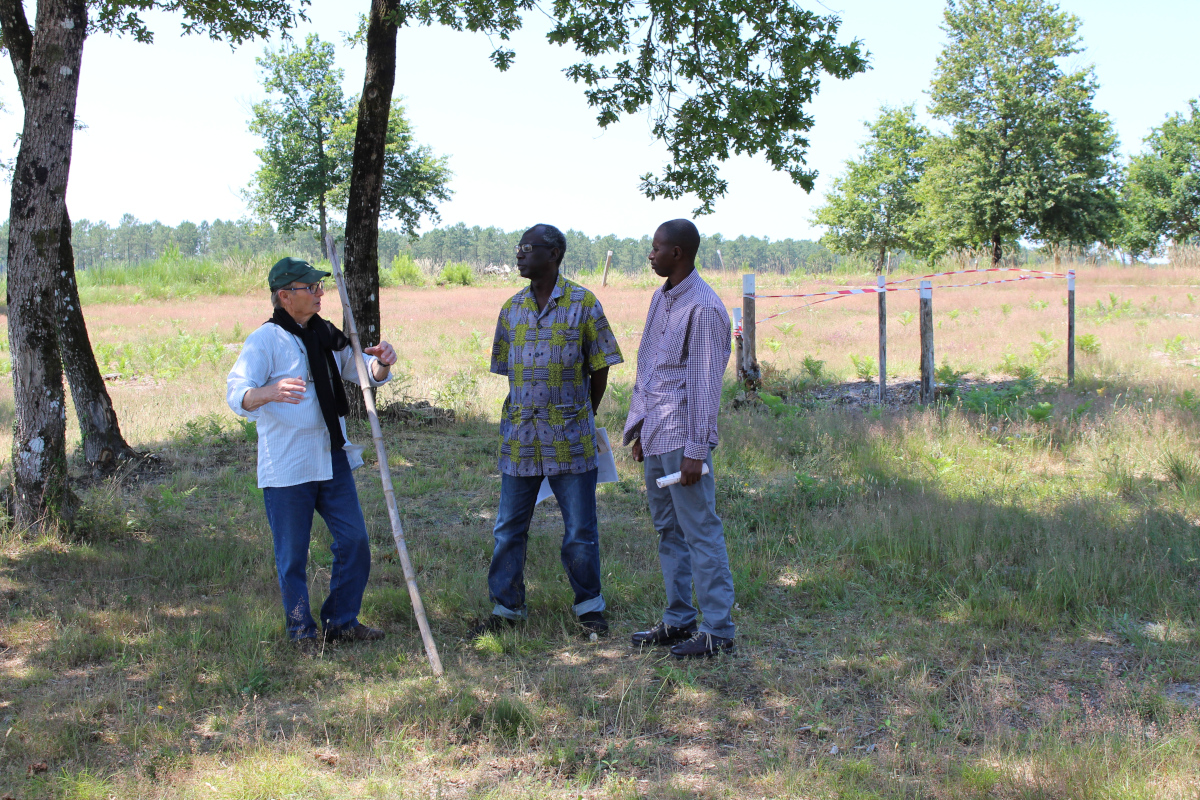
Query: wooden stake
x,y
607,261
749,354
1070,327
927,367
738,356
883,339
385,475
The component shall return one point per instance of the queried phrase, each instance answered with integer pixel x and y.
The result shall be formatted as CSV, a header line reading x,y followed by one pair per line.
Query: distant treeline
x,y
131,241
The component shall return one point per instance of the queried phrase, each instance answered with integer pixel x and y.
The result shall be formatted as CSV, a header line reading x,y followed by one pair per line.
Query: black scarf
x,y
321,339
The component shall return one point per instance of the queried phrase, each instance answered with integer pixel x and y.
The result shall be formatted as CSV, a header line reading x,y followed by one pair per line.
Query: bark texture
x,y
41,493
103,444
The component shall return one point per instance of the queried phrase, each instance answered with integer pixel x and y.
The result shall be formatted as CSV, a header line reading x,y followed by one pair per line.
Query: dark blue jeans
x,y
576,496
290,513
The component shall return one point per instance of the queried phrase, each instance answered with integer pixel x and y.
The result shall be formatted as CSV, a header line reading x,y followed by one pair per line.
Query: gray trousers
x,y
691,547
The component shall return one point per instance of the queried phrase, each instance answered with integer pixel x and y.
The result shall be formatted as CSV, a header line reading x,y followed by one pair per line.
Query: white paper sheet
x,y
606,466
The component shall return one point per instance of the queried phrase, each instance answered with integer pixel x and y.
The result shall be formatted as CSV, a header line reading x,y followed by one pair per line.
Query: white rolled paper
x,y
673,478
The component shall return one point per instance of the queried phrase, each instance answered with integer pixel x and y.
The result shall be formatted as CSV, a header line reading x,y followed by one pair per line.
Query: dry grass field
x,y
993,597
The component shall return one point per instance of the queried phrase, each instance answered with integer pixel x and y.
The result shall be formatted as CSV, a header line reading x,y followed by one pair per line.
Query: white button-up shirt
x,y
293,442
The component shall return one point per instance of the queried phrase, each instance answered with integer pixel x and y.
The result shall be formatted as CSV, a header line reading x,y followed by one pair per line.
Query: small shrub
x,y
1005,309
1040,412
864,367
814,369
990,400
905,318
786,327
1174,347
772,344
460,274
1011,365
404,272
1088,344
947,375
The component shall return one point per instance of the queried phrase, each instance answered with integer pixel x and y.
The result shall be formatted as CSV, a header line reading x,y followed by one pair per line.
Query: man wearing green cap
x,y
288,379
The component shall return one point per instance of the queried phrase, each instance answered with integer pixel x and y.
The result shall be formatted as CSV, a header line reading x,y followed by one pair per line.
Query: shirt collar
x,y
560,288
683,287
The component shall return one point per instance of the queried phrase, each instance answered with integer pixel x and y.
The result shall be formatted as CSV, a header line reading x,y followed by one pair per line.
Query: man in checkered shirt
x,y
673,427
554,344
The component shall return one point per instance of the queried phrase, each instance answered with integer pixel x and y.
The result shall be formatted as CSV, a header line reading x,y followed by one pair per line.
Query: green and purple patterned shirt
x,y
547,425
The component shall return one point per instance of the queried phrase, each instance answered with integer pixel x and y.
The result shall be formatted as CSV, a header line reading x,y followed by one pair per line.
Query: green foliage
x,y
864,367
1011,365
1002,401
1040,412
413,177
947,375
1088,344
1027,156
814,369
1162,191
403,272
905,317
716,78
869,209
296,124
308,128
460,274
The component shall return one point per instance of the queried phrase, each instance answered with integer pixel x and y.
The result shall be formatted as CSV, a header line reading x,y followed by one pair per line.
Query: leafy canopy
x,y
870,208
308,125
1162,192
717,77
1027,156
234,21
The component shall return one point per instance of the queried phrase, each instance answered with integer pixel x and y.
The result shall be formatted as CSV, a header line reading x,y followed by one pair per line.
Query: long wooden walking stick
x,y
385,474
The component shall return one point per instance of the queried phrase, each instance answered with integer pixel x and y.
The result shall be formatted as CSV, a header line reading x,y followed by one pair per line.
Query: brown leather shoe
x,y
662,633
357,633
703,645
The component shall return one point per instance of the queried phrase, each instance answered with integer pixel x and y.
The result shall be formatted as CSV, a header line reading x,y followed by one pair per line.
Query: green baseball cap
x,y
287,270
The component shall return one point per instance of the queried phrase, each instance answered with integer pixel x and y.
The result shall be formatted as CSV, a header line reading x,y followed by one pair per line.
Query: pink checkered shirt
x,y
681,362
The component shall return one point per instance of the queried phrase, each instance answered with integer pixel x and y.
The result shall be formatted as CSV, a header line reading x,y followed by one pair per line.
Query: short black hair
x,y
683,234
553,237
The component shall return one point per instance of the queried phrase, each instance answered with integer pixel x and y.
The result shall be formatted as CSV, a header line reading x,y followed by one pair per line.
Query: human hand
x,y
287,390
690,471
384,352
637,450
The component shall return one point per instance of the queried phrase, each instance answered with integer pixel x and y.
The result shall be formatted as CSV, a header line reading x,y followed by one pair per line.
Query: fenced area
x,y
975,597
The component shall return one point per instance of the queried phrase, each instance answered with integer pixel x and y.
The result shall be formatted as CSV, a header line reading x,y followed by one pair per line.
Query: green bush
x,y
460,274
403,272
864,367
1088,344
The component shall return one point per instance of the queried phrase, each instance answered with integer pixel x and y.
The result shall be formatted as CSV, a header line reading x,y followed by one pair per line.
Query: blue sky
x,y
166,134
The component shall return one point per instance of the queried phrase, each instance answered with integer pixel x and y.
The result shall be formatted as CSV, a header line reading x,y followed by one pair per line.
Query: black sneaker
x,y
703,645
662,633
357,633
493,624
593,622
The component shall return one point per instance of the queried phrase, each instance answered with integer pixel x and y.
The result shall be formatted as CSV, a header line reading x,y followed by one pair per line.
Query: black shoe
x,y
356,633
662,633
493,624
593,622
702,645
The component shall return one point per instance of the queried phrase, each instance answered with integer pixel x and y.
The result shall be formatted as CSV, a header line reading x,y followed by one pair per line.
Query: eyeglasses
x,y
312,288
528,248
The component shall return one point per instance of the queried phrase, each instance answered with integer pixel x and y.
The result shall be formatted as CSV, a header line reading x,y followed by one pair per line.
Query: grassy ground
x,y
932,602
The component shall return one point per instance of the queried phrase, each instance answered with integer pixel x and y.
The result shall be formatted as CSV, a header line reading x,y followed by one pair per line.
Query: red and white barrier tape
x,y
988,269
834,295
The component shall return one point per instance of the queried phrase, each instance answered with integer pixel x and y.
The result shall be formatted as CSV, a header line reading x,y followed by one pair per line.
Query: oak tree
x,y
1027,156
870,208
1161,195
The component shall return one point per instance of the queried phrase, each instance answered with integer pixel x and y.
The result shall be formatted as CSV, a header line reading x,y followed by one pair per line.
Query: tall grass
x,y
173,276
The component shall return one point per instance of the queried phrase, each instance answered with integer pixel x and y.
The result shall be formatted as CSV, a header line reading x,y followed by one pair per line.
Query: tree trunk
x,y
41,494
103,444
366,175
997,250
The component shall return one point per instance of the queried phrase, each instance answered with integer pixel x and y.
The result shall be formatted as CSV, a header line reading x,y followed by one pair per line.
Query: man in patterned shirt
x,y
555,345
673,426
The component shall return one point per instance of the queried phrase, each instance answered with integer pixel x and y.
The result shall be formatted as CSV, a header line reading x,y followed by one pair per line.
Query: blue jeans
x,y
576,496
289,513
